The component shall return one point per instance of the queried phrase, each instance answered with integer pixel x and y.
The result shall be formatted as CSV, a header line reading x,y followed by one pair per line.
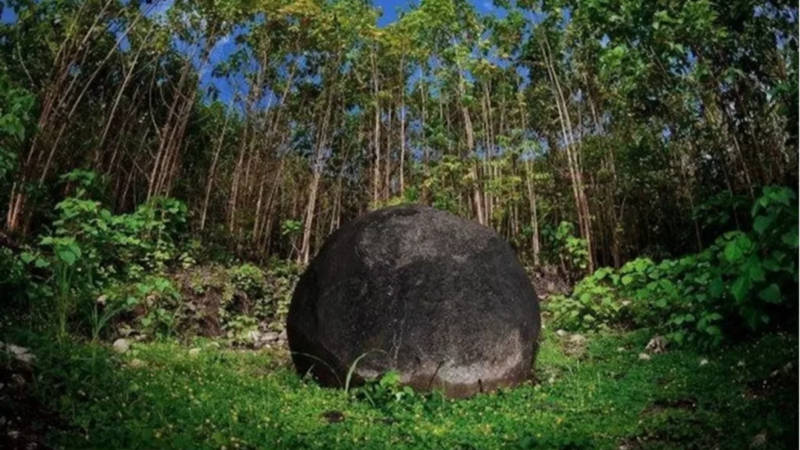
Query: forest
x,y
169,168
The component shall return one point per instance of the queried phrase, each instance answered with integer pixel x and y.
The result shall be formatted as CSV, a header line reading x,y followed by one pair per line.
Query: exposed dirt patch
x,y
203,291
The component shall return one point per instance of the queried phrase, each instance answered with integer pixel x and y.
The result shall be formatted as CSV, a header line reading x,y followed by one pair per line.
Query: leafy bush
x,y
266,292
742,283
92,251
567,250
16,106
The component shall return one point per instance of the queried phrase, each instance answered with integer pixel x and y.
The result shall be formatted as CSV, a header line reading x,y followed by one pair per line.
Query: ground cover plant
x,y
604,397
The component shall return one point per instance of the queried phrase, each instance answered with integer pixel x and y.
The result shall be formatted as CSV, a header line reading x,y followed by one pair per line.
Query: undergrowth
x,y
607,398
743,284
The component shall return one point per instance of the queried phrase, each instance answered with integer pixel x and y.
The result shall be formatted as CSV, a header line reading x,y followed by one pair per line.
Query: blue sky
x,y
390,7
7,16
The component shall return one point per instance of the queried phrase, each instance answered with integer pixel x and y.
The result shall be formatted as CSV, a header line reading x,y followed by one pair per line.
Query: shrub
x,y
741,284
91,251
16,108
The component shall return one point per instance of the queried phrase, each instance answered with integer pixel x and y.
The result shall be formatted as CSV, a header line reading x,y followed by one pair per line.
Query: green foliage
x,y
743,283
593,305
16,108
162,306
255,399
91,252
291,227
716,213
444,183
567,250
264,296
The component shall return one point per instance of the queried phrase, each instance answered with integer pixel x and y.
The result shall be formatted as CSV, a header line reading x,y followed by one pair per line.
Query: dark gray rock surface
x,y
441,300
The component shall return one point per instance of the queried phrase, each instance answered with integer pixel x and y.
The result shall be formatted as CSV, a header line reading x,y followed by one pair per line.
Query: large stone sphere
x,y
441,300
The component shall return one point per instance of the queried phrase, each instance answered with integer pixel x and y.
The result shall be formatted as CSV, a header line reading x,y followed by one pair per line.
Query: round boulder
x,y
439,299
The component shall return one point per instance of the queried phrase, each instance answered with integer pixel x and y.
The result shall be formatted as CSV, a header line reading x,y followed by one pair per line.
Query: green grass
x,y
605,399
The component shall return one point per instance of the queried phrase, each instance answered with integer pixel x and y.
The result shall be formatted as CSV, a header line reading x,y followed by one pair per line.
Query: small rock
x,y
17,350
254,336
561,333
121,346
18,380
283,336
136,363
644,357
703,362
740,364
20,353
270,336
194,352
774,374
759,440
575,346
787,367
577,339
656,345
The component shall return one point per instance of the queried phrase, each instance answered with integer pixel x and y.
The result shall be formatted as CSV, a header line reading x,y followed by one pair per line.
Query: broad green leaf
x,y
761,223
771,294
67,256
790,239
736,249
754,269
716,288
740,288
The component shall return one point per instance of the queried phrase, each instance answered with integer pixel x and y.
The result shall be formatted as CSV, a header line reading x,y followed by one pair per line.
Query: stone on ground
x,y
439,299
121,346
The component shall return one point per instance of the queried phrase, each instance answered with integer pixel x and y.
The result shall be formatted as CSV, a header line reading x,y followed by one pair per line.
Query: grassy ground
x,y
606,397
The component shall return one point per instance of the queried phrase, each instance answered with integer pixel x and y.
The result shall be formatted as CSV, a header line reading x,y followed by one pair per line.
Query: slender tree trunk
x,y
376,174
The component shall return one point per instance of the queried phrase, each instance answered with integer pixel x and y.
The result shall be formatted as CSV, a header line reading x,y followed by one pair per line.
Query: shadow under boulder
x,y
439,299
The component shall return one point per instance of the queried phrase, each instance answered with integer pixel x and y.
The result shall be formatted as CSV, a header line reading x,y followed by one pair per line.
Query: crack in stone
x,y
430,383
395,342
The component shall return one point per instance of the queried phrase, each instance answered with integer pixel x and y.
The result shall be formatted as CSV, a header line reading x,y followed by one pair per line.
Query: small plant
x,y
104,311
570,252
163,310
